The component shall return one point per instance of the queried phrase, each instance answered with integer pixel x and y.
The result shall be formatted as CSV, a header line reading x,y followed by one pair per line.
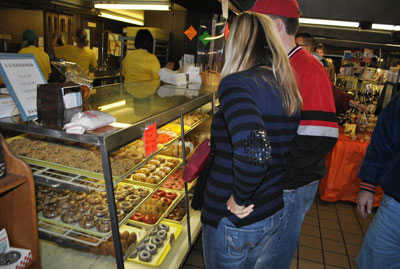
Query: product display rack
x,y
136,114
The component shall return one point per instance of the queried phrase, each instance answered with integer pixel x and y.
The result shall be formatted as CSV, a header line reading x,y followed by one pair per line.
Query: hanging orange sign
x,y
191,32
150,139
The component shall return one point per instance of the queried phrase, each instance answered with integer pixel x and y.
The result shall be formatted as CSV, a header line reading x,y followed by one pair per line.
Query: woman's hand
x,y
239,211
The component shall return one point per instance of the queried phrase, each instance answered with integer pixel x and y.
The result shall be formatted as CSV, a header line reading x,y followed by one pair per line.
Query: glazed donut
x,y
52,211
120,195
165,169
160,174
79,195
163,226
169,164
139,177
133,199
125,205
127,188
154,179
152,248
156,240
145,171
83,206
150,166
162,234
103,194
145,256
49,199
142,192
67,204
93,199
88,221
157,163
71,216
62,194
104,225
99,210
161,159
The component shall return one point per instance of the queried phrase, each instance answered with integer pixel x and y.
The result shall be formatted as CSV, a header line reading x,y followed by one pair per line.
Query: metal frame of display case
x,y
109,143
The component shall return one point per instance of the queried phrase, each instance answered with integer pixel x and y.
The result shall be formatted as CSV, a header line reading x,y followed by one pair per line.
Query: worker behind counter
x,y
79,54
141,64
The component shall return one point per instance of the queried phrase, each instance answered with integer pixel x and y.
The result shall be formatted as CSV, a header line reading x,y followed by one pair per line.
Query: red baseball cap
x,y
284,8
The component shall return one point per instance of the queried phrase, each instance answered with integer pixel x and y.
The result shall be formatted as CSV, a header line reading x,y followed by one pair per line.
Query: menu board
x,y
22,74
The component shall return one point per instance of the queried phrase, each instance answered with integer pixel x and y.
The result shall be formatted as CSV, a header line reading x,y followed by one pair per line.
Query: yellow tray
x,y
149,185
70,169
159,257
172,205
57,221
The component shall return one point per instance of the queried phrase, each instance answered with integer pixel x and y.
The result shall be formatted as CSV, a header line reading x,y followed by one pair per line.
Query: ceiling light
x,y
117,17
329,22
136,5
388,27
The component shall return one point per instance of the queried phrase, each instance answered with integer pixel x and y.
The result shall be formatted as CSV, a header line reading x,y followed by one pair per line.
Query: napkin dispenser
x,y
58,102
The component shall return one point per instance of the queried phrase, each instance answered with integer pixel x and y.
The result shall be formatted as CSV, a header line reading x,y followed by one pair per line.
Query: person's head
x,y
144,40
29,37
81,38
60,38
253,40
320,49
306,41
285,13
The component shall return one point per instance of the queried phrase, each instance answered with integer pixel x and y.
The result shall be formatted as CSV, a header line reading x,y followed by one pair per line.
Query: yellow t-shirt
x,y
42,58
84,57
140,65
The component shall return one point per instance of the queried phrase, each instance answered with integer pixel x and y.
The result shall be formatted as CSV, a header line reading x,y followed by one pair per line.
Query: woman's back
x,y
140,65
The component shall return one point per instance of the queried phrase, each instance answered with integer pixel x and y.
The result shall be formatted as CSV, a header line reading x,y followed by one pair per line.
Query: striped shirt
x,y
247,103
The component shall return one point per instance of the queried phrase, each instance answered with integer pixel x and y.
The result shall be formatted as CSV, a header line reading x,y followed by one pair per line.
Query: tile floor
x,y
331,236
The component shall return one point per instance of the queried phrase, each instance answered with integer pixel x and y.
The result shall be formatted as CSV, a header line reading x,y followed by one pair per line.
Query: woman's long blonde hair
x,y
254,40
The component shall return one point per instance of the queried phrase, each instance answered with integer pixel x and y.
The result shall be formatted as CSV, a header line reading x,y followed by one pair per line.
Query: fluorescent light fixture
x,y
329,22
388,27
117,17
112,105
136,5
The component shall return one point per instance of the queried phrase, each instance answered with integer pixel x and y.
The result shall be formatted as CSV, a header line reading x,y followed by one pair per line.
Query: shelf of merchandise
x,y
136,114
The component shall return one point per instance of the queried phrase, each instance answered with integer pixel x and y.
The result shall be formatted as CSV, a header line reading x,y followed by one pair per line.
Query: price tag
x,y
150,139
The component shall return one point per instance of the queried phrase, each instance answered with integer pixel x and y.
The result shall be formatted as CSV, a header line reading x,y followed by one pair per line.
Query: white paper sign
x,y
23,75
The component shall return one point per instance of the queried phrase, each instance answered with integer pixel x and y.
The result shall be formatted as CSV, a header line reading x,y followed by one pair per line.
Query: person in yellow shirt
x,y
79,54
141,64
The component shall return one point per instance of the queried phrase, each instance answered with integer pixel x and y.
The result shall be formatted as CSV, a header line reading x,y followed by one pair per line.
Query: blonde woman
x,y
252,131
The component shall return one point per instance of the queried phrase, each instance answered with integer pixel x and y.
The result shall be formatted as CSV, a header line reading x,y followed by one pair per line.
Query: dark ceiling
x,y
374,11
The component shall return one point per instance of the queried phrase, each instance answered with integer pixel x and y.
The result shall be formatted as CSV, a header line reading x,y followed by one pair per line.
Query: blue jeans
x,y
381,245
230,247
280,250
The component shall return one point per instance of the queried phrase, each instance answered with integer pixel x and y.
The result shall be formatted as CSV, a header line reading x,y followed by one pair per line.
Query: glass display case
x,y
135,106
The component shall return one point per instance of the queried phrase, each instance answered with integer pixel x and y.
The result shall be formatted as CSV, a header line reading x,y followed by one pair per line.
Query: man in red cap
x,y
316,135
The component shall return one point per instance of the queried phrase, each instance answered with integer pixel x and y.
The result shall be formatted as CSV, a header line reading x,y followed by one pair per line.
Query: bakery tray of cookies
x,y
156,208
77,158
155,171
153,249
87,211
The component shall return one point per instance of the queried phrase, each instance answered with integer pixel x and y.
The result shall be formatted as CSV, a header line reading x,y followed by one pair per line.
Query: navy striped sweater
x,y
247,103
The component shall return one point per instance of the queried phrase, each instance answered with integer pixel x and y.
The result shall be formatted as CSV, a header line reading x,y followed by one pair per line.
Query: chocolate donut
x,y
104,225
49,199
67,204
52,211
93,199
145,256
125,205
134,199
152,248
99,210
156,240
88,221
71,216
83,206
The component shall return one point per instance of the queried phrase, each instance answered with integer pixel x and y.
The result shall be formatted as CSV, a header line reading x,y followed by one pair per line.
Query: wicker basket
x,y
210,78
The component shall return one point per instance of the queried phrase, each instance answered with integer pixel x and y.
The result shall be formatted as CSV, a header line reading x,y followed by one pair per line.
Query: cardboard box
x,y
7,106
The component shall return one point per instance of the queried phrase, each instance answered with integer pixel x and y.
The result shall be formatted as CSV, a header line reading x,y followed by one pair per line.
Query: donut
x,y
150,166
63,194
145,171
71,216
83,206
120,214
52,211
67,204
88,221
141,246
161,159
146,239
154,179
49,199
93,199
39,195
154,162
142,192
103,194
104,225
39,206
156,240
152,248
174,161
145,256
162,234
125,205
165,169
99,210
79,195
160,174
134,199
120,195
139,177
160,193
132,238
163,226
169,164
127,188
